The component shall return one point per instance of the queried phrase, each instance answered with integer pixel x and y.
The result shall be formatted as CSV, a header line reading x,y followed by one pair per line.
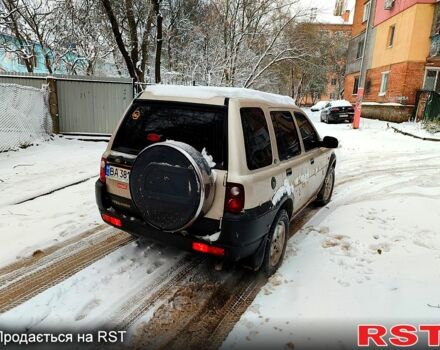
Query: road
x,y
163,297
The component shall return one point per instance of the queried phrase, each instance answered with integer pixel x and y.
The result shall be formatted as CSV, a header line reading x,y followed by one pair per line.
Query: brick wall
x,y
348,88
404,81
394,114
358,25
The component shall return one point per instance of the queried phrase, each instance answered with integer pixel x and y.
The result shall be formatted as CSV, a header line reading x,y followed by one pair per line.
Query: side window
x,y
308,133
285,132
256,138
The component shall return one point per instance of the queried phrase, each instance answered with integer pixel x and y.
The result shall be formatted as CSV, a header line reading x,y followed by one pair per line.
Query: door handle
x,y
312,161
289,171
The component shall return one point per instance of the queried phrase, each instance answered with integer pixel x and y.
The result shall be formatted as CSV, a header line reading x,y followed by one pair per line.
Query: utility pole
x,y
363,70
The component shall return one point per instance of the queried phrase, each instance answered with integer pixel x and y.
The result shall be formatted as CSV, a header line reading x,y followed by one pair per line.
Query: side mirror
x,y
330,142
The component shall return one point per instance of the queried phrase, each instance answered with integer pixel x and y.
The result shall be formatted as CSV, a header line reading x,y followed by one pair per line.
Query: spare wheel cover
x,y
171,185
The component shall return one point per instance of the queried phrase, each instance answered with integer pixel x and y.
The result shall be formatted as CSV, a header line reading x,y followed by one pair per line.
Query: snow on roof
x,y
323,11
340,103
211,92
330,19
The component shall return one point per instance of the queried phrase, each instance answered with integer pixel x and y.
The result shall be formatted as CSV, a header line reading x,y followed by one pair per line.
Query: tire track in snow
x,y
382,171
30,279
201,308
156,290
39,254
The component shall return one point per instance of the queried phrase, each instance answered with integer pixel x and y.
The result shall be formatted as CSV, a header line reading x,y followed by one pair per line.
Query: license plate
x,y
116,173
343,115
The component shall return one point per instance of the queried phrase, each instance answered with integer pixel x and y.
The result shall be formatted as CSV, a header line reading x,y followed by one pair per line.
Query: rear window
x,y
256,138
201,126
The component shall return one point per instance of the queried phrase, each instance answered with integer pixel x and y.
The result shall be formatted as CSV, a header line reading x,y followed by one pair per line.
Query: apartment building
x,y
391,54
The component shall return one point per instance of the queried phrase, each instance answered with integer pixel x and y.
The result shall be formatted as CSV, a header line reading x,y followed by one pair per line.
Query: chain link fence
x,y
24,116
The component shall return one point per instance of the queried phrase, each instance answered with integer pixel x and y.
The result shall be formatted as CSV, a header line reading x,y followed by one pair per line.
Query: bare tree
x,y
159,39
130,24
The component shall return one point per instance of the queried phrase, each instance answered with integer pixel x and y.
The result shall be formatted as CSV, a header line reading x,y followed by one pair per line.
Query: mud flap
x,y
255,261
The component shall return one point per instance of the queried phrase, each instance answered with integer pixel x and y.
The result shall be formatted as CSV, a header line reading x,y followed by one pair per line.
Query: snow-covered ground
x,y
417,129
372,255
44,221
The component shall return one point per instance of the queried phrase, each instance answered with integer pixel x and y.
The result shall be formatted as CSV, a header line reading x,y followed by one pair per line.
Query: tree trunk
x,y
134,42
118,38
159,40
144,45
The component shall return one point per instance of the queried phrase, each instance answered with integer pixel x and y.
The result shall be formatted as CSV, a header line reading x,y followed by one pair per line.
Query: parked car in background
x,y
215,170
318,106
337,111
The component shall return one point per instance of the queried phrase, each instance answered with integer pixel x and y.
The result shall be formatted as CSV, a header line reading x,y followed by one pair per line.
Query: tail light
x,y
102,170
207,249
234,199
153,137
112,220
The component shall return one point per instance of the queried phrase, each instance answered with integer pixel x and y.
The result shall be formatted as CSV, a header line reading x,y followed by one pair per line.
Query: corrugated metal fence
x,y
85,104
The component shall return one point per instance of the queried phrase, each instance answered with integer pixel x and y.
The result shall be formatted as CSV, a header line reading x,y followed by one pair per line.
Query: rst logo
x,y
403,335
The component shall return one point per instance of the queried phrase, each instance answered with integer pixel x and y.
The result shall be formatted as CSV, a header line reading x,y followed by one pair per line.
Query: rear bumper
x,y
340,116
241,235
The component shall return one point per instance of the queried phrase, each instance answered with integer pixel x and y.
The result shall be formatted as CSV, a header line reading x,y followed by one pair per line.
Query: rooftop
x,y
181,93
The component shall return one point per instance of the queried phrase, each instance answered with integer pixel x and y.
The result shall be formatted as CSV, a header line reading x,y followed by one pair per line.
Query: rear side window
x,y
287,137
201,126
256,138
308,133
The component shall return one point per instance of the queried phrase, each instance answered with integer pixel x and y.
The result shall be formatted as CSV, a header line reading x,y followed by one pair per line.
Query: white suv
x,y
219,171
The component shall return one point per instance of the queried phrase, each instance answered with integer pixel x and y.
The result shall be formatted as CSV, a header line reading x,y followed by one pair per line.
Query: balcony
x,y
434,52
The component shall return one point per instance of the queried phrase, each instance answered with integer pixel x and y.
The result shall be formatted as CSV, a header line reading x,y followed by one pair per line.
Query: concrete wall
x,y
399,6
411,39
395,114
353,63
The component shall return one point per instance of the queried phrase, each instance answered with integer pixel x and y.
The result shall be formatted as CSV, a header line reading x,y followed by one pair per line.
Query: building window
x,y
333,82
391,33
360,49
384,83
432,81
367,8
356,85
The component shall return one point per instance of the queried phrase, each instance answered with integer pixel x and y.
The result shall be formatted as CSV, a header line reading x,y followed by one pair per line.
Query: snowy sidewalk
x,y
51,219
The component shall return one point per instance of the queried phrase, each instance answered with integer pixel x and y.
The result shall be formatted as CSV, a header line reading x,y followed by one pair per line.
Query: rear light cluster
x,y
234,198
207,249
112,220
153,137
102,170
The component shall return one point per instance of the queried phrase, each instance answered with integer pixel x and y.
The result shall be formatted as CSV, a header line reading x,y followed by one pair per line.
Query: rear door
x,y
292,161
203,127
317,158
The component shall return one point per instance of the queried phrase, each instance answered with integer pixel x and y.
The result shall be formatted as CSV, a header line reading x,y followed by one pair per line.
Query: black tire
x,y
326,192
275,249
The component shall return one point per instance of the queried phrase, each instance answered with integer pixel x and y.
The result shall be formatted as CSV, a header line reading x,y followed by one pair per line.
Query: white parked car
x,y
319,106
234,171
